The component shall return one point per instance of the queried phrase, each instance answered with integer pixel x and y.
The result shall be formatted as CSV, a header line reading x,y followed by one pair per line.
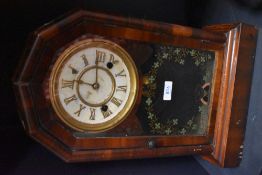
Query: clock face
x,y
93,85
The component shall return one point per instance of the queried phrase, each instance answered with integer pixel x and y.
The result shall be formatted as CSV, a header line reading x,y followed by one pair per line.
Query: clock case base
x,y
234,45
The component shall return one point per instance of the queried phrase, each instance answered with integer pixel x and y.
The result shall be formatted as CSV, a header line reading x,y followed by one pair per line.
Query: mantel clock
x,y
94,87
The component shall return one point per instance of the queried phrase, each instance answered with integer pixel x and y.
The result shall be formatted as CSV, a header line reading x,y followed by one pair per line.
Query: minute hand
x,y
96,71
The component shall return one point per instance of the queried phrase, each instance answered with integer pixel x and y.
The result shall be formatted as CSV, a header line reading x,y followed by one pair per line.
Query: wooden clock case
x,y
234,46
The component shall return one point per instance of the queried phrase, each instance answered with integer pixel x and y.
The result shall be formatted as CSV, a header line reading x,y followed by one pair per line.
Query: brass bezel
x,y
54,80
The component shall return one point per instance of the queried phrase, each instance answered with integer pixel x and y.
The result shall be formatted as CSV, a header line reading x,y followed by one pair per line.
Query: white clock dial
x,y
94,84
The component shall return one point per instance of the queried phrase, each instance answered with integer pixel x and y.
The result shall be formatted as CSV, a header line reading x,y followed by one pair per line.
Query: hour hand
x,y
82,82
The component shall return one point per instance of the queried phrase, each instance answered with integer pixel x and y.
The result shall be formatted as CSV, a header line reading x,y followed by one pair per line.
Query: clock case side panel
x,y
22,86
234,93
140,30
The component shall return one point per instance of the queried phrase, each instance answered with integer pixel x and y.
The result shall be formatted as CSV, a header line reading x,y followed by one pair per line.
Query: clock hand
x,y
82,82
96,85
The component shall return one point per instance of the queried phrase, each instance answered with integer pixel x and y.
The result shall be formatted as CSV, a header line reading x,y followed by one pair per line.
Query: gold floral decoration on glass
x,y
178,56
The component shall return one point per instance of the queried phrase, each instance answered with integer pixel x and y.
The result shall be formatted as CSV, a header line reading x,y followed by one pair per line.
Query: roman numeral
x,y
112,59
80,110
121,73
68,83
70,99
116,101
84,59
106,113
74,71
121,88
100,56
92,113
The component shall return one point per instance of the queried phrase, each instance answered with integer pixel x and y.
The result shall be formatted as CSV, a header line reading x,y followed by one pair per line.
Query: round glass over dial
x,y
93,85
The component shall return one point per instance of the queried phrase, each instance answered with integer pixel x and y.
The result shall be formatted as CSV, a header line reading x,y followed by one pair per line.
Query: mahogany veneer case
x,y
211,70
